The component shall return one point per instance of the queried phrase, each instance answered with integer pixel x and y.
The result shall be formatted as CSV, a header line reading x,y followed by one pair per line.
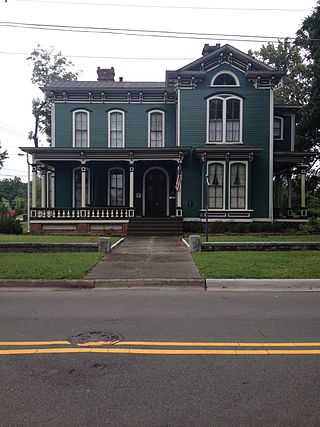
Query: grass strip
x,y
259,265
25,238
264,238
47,265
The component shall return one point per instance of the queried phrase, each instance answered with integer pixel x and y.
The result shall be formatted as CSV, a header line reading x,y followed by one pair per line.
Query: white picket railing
x,y
109,213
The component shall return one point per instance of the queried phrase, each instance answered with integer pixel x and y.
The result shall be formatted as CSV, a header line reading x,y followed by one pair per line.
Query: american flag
x,y
179,178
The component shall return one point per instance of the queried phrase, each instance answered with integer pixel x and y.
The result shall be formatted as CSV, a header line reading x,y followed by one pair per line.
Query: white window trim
x,y
246,195
124,184
224,184
74,127
109,128
224,118
73,185
149,127
281,127
225,72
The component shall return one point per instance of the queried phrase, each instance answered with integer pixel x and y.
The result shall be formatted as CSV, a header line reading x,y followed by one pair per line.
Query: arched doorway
x,y
156,182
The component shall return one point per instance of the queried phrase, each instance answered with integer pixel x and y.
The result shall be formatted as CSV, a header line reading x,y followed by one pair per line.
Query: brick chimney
x,y
105,74
208,49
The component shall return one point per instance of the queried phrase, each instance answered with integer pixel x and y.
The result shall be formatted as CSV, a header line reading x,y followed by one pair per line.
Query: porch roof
x,y
100,154
284,160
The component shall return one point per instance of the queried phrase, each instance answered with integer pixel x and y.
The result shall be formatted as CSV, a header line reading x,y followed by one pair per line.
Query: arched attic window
x,y
225,78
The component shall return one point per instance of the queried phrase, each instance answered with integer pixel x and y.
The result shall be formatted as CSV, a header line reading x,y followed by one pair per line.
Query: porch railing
x,y
106,214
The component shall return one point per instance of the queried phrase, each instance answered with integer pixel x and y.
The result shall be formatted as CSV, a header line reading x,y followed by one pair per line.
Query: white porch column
x,y
34,187
53,189
131,189
83,187
43,188
289,192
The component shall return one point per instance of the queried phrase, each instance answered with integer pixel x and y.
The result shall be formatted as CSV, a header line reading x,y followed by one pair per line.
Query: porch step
x,y
155,227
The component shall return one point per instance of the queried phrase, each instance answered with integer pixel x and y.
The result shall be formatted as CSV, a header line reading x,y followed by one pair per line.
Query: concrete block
x,y
104,244
194,243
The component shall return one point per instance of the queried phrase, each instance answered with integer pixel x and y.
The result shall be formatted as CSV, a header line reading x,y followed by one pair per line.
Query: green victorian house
x,y
139,156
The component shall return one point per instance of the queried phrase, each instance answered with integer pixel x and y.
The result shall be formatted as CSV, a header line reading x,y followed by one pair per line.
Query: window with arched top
x,y
238,185
116,129
224,119
81,129
156,128
116,195
216,185
278,127
225,78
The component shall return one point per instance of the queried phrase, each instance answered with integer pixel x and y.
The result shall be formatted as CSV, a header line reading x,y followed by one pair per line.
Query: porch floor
x,y
147,258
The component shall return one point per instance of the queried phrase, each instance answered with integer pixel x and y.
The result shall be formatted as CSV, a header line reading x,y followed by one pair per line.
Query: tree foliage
x,y
308,39
3,156
13,190
287,57
48,65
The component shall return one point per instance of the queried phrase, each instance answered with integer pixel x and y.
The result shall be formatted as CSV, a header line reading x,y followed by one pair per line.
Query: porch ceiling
x,y
100,154
290,159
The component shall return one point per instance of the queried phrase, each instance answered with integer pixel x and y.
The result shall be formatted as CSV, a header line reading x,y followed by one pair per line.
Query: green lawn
x,y
30,238
259,265
264,238
47,265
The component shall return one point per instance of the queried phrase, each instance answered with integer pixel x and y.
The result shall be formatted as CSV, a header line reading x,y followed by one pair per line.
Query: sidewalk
x,y
142,260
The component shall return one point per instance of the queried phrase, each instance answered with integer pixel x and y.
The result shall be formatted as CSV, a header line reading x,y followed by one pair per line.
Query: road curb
x,y
281,285
104,283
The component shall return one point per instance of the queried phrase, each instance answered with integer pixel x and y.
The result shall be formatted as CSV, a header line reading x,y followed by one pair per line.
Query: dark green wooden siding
x,y
136,123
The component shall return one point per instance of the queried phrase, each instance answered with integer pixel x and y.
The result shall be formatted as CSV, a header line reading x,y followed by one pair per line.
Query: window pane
x,y
224,80
116,188
238,186
216,186
116,130
81,129
215,120
277,128
156,130
233,120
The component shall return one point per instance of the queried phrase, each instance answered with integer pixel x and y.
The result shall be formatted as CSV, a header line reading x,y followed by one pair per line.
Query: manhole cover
x,y
95,337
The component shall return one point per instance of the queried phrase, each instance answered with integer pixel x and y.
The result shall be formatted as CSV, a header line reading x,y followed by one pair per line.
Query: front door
x,y
155,193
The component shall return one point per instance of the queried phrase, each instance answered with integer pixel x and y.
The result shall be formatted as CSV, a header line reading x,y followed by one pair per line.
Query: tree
x,y
11,189
287,57
3,156
48,65
308,38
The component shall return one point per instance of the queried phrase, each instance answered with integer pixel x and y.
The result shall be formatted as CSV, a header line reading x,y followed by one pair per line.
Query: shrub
x,y
312,226
8,221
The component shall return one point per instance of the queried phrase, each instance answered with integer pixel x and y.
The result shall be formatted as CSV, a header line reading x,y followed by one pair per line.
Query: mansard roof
x,y
101,85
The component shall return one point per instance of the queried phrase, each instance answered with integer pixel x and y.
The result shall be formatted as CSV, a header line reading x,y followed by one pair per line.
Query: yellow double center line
x,y
161,348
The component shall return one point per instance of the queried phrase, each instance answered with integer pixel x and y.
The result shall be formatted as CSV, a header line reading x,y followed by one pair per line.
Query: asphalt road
x,y
157,388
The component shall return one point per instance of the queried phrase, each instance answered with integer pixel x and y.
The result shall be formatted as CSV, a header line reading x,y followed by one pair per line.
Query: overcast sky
x,y
133,57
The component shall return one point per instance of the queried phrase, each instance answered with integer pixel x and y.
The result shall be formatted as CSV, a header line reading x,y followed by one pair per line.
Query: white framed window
x,y
156,128
225,78
76,187
238,185
224,119
81,128
116,187
277,127
116,129
216,185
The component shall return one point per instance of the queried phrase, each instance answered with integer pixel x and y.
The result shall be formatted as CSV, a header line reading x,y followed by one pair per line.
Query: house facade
x,y
207,143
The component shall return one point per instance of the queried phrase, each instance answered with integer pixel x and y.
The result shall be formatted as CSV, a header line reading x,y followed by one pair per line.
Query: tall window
x,y
224,119
278,128
238,186
156,129
216,186
81,129
116,129
116,187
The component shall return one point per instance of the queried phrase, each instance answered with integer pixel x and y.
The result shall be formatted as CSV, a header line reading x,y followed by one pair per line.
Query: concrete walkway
x,y
145,258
